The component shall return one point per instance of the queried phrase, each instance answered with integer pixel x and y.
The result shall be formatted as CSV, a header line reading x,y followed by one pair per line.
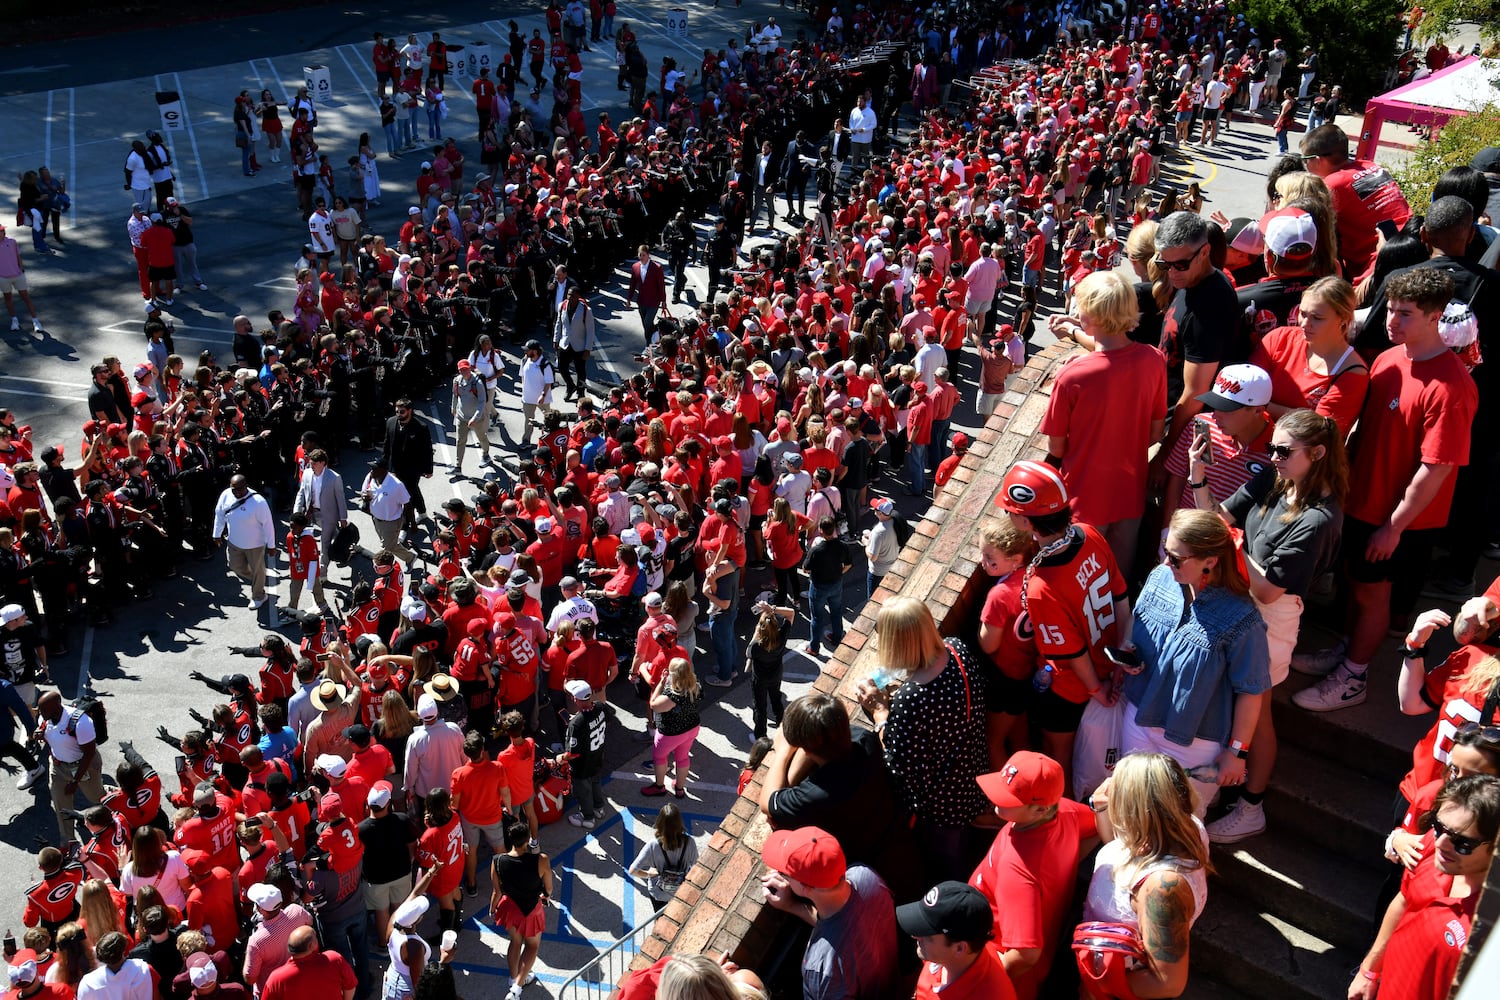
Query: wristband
x,y
1239,747
1198,485
1414,652
1095,690
1373,977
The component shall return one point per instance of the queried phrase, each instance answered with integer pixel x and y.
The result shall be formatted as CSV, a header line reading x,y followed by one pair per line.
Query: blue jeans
x,y
245,158
434,122
391,141
721,628
872,583
916,467
406,136
414,127
1281,141
939,447
827,603
351,938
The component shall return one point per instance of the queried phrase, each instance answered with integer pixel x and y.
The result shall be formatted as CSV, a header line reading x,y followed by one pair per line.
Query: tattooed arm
x,y
1164,907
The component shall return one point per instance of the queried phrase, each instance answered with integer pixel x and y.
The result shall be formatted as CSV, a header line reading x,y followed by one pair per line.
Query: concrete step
x,y
1373,738
1328,804
1307,886
1200,987
1258,956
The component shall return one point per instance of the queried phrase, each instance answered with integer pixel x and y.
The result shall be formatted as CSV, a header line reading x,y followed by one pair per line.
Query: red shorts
x,y
510,917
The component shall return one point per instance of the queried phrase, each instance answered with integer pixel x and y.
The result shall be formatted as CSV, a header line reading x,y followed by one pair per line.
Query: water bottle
x,y
1041,681
1205,773
883,677
450,939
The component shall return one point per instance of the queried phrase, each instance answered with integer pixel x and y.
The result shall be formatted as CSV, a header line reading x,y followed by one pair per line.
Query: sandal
x,y
654,790
680,792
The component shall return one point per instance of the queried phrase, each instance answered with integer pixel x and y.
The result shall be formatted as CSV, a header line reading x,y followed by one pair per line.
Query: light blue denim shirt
x,y
1198,657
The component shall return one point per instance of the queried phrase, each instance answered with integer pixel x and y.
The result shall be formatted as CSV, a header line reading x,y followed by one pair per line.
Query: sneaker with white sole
x,y
577,820
15,323
36,325
1340,689
1242,822
31,777
1319,663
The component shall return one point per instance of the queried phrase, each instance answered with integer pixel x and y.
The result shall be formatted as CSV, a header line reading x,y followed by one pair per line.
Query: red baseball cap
x,y
330,806
1027,779
198,862
810,855
378,671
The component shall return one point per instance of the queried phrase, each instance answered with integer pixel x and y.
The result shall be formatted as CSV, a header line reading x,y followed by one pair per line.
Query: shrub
x,y
1356,39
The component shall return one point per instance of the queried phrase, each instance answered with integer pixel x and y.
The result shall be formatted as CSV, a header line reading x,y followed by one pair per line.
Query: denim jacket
x,y
1197,659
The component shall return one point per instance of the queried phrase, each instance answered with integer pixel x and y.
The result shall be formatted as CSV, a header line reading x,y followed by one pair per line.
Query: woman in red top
x,y
1312,365
783,532
442,843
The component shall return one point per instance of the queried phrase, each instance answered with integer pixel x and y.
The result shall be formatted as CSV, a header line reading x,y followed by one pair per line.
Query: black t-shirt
x,y
856,465
1202,325
826,561
586,732
18,662
387,839
102,400
1268,304
680,553
1291,553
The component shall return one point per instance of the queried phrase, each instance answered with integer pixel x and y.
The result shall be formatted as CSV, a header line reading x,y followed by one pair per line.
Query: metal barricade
x,y
597,979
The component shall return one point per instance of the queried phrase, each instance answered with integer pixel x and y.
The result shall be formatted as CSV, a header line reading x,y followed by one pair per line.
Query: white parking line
x,y
643,23
72,158
373,102
187,122
43,381
44,395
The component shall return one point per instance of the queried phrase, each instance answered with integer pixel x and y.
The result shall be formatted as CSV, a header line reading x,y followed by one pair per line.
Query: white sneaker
x,y
1339,689
577,820
15,323
1319,663
31,777
514,993
1240,823
36,324
202,287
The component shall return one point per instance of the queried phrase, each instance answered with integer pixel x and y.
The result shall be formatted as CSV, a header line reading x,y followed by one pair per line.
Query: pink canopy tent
x,y
1458,89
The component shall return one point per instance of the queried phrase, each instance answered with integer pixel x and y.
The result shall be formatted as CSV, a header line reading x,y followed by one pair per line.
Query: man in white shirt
x,y
320,229
573,607
615,507
861,132
116,977
794,483
137,174
770,36
412,53
386,498
537,379
243,524
1213,102
70,739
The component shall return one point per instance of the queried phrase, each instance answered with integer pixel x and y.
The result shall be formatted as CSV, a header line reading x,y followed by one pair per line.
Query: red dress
x,y
446,844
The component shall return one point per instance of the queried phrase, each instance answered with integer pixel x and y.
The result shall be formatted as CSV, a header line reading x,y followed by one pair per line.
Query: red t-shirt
x,y
1016,657
1071,601
1458,699
1363,196
1104,403
590,662
519,761
1029,878
1416,412
986,979
322,974
1283,355
369,765
477,787
211,904
782,541
1423,952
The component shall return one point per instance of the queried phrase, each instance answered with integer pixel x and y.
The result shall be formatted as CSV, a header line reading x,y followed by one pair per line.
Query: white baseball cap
x,y
1236,387
427,707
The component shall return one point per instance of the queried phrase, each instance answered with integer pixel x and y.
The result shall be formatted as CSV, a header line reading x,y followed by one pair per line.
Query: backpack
x,y
672,873
97,713
903,529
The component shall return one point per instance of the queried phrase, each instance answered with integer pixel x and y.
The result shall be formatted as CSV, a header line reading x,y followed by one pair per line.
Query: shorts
x,y
509,916
1408,562
168,273
1056,714
987,403
1184,116
16,283
1030,278
757,522
1211,114
387,895
1007,695
493,832
1282,617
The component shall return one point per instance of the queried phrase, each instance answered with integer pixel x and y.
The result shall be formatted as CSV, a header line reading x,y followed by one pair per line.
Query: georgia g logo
x,y
1020,493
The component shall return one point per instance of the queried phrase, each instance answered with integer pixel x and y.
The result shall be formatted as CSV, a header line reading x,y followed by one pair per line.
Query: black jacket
x,y
408,448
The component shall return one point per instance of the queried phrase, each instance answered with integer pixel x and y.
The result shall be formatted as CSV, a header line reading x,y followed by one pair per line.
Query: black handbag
x,y
344,541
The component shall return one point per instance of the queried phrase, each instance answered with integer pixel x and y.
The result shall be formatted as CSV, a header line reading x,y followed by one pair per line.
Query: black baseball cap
x,y
955,909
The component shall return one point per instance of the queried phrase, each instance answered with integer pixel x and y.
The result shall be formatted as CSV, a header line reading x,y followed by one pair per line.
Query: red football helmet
x,y
1032,489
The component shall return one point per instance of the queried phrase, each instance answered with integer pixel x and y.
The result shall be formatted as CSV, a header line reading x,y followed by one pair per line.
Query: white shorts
x,y
1282,617
1135,739
13,284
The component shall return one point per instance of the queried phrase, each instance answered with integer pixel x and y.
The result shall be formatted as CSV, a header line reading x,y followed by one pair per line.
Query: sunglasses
x,y
1281,452
1489,734
1176,561
1461,845
1177,265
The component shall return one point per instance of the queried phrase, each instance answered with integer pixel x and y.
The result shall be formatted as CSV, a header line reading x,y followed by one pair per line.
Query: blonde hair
x,y
695,977
1480,677
97,911
908,636
1108,300
74,956
395,717
684,680
1205,534
1338,295
1303,185
1000,533
1151,804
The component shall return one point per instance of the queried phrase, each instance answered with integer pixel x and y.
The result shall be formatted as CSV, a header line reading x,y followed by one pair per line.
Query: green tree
x,y
1440,17
1355,39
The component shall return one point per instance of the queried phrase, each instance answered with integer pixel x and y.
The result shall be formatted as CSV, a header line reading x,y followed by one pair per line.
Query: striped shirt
x,y
1232,466
267,949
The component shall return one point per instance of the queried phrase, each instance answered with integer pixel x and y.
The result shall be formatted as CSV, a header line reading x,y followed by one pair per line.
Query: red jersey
x,y
1016,656
1415,412
1424,950
339,839
446,844
137,808
277,681
302,554
1459,700
292,821
213,835
1070,601
470,658
102,849
55,897
211,906
516,657
1364,194
986,979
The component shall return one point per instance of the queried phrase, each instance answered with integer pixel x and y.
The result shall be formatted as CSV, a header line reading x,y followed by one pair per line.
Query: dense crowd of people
x,y
1240,428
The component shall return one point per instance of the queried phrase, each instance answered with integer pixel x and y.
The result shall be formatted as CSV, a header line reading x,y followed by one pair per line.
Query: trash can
x,y
169,105
477,57
319,84
677,22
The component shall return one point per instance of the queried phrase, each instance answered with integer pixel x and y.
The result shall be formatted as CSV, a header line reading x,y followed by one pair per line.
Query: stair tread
x,y
1260,955
1360,799
1286,874
1375,735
